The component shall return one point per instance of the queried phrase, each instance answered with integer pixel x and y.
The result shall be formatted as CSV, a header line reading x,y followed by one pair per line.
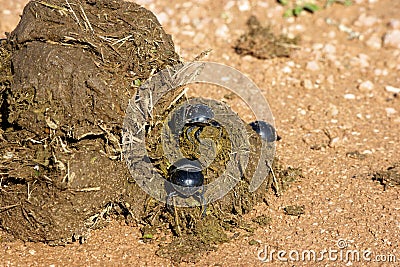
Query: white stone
x,y
374,42
312,66
366,21
392,89
333,110
390,111
392,39
307,84
377,72
287,69
317,46
360,61
229,5
349,96
244,5
222,31
329,49
185,19
394,23
366,86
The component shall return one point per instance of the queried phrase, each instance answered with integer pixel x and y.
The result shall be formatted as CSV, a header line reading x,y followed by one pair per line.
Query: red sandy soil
x,y
332,95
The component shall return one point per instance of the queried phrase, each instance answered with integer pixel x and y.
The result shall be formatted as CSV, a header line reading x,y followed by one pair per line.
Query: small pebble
x,y
185,19
229,5
366,86
366,21
360,61
333,110
307,84
312,66
244,5
329,49
317,46
394,23
392,89
392,39
330,79
374,42
287,70
390,111
334,142
349,96
222,31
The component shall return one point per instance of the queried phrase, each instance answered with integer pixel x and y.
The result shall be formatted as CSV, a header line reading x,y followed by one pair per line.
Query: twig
x,y
88,189
8,207
150,107
86,19
202,54
30,191
53,6
73,12
178,97
177,219
123,40
275,181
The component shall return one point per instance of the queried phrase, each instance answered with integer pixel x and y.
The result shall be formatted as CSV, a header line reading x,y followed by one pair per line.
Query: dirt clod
x,y
262,43
295,210
389,177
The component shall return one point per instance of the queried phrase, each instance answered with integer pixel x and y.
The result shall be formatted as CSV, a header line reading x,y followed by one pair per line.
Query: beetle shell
x,y
187,173
265,130
186,178
190,114
198,113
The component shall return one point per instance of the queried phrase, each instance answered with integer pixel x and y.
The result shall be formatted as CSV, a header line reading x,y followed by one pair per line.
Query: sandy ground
x,y
334,96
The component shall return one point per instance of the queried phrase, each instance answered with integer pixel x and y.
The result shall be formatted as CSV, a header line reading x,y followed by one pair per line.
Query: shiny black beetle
x,y
187,180
192,117
265,130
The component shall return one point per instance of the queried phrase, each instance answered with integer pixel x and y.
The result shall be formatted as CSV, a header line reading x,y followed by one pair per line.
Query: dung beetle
x,y
265,130
187,180
192,115
198,113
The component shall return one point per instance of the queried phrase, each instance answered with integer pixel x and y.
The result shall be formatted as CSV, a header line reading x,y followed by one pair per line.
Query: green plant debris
x,y
253,242
295,210
388,177
262,220
297,7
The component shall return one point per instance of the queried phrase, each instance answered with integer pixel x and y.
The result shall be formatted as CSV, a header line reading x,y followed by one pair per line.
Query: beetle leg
x,y
197,134
167,200
203,203
189,131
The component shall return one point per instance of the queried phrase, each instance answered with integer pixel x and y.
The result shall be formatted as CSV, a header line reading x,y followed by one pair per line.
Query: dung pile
x,y
75,65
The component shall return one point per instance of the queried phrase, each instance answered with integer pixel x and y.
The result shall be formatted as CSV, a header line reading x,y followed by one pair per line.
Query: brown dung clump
x,y
74,65
262,43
